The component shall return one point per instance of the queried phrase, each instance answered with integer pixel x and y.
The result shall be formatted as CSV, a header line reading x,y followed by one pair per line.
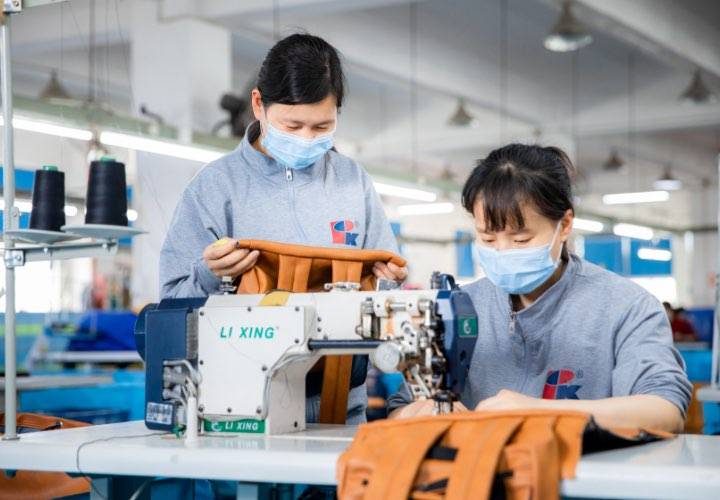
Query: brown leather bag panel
x,y
31,485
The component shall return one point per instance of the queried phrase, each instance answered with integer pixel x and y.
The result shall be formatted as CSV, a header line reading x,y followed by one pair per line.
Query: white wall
x,y
704,269
160,183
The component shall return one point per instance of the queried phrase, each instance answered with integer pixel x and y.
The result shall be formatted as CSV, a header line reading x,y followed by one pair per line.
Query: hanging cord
x,y
414,87
276,20
104,440
503,71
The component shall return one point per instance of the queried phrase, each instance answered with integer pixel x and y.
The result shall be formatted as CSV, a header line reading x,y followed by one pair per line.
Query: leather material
x,y
519,455
300,268
31,485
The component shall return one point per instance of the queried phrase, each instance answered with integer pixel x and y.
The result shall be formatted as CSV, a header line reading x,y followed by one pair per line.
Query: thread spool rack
x,y
43,245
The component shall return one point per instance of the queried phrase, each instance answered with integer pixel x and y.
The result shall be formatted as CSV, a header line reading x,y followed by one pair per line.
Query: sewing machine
x,y
237,363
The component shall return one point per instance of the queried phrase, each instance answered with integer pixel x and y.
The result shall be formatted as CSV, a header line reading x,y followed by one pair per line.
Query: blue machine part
x,y
161,334
460,331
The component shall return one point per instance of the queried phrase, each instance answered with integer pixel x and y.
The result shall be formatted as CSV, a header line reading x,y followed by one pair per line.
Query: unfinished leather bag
x,y
32,485
300,268
519,455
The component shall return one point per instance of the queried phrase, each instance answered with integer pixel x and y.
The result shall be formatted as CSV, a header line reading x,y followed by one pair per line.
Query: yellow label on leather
x,y
277,298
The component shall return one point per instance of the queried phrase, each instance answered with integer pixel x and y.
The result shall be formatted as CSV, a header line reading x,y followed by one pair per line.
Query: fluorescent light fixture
x,y
589,225
633,231
41,127
426,209
404,192
25,206
640,197
71,210
21,204
166,148
132,215
657,254
668,182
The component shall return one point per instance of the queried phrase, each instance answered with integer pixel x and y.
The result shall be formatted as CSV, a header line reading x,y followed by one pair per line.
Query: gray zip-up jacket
x,y
248,195
592,335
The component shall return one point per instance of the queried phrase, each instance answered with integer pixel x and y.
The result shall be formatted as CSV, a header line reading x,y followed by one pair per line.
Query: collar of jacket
x,y
544,312
266,167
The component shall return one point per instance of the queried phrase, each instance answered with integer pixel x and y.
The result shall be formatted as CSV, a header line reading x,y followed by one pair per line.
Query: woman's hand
x,y
226,258
390,271
423,408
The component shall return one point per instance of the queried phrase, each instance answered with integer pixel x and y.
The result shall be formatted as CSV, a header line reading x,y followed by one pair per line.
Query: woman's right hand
x,y
225,258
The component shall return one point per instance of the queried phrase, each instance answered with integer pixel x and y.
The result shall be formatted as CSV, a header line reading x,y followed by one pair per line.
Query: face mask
x,y
518,271
293,151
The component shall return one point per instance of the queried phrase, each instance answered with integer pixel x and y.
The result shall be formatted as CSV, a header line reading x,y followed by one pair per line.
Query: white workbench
x,y
687,467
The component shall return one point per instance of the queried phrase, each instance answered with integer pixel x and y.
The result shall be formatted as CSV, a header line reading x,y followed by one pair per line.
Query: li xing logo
x,y
248,332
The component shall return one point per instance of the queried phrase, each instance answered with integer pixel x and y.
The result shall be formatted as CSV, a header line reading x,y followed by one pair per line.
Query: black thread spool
x,y
106,200
48,199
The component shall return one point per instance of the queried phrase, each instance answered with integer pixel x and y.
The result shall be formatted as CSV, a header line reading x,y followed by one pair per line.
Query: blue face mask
x,y
518,271
293,151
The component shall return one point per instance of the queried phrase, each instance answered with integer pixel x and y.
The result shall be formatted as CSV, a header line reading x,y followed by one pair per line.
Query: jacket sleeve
x,y
646,362
183,272
378,233
402,397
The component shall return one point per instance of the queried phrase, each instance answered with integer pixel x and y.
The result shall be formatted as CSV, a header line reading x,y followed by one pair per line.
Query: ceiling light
x,y
404,192
697,92
426,209
159,147
54,89
568,34
589,225
656,254
21,204
614,162
71,210
633,231
641,197
42,127
668,182
462,118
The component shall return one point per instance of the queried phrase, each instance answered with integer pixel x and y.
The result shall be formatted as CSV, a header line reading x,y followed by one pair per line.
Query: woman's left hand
x,y
510,400
390,271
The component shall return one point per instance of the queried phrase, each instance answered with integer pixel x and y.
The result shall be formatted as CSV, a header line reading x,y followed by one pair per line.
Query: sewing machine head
x,y
244,358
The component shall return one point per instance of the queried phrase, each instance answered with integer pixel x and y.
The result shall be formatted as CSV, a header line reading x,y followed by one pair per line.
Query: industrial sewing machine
x,y
237,363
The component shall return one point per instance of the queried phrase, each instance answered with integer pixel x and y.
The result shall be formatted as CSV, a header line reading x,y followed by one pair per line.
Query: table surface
x,y
36,382
686,467
709,394
90,357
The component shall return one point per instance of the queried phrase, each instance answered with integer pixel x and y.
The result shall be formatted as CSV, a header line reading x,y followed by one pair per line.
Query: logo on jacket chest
x,y
559,384
343,233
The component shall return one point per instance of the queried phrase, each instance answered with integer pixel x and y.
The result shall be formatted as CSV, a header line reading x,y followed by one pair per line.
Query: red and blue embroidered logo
x,y
342,234
558,385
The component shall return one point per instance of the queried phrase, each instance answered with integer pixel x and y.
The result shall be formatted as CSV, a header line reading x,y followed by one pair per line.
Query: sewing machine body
x,y
245,361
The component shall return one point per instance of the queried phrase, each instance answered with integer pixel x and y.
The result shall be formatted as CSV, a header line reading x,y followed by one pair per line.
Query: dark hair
x,y
517,174
301,69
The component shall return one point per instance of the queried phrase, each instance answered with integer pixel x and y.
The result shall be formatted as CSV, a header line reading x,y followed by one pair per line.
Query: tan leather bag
x,y
31,485
473,455
299,268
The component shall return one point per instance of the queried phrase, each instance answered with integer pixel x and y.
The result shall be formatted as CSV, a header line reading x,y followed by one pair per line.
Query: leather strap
x,y
406,448
477,460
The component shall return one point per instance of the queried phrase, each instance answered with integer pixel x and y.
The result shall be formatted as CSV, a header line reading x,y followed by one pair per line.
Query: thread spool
x,y
107,193
48,199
